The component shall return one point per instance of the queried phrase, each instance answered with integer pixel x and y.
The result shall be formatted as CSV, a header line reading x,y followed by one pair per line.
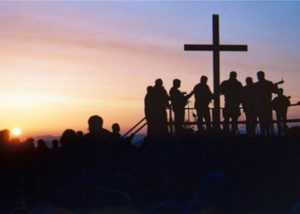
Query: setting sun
x,y
16,131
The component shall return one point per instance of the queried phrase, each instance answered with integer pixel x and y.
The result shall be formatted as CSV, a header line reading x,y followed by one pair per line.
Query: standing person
x,y
178,100
203,97
116,132
248,101
160,104
97,134
280,105
264,89
149,114
231,89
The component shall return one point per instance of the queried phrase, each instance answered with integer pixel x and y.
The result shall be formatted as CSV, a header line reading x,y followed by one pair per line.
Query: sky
x,y
63,61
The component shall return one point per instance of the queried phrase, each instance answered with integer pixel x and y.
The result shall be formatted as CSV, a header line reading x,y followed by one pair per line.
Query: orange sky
x,y
62,62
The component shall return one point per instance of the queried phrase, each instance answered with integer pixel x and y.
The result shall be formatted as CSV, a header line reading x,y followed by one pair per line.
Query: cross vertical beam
x,y
216,70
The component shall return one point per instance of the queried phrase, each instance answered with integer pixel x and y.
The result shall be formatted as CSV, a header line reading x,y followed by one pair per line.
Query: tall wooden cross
x,y
216,48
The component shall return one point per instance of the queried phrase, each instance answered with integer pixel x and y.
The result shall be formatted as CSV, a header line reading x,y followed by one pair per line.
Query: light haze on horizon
x,y
61,62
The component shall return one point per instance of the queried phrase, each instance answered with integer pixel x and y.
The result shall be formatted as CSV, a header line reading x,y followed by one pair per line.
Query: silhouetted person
x,y
29,144
264,89
68,139
159,109
148,108
280,105
203,97
116,132
97,134
4,136
43,152
79,134
178,100
231,89
42,147
248,101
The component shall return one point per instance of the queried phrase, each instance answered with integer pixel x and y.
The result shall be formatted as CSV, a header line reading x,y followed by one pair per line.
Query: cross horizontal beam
x,y
194,47
233,48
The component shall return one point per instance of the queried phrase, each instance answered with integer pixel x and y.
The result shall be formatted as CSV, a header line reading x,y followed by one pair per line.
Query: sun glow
x,y
16,131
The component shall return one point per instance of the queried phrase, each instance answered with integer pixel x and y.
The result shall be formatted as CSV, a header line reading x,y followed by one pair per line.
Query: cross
x,y
216,48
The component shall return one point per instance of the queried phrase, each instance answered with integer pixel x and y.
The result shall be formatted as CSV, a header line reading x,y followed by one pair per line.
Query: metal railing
x,y
189,123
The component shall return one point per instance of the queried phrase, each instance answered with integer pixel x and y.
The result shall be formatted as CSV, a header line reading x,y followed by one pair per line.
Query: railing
x,y
190,113
136,128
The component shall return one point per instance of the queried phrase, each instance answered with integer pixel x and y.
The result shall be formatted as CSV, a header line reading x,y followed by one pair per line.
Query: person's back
x,y
248,95
248,101
264,89
159,105
231,89
97,134
161,96
203,95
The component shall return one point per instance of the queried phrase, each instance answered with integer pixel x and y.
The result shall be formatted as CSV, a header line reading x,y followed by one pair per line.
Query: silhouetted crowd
x,y
102,172
254,98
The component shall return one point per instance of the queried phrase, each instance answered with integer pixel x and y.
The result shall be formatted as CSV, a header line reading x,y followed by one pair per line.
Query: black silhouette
x,y
280,105
79,134
248,101
97,134
68,139
42,147
156,103
216,47
203,97
231,89
264,89
149,114
4,136
116,132
178,100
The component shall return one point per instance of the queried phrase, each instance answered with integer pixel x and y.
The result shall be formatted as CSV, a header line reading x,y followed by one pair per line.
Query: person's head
x,y
95,123
4,136
79,134
260,75
232,75
115,128
158,82
176,83
280,91
149,89
41,145
68,137
249,80
203,79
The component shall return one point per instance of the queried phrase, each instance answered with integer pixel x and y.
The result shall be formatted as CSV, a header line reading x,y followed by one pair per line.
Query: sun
x,y
16,131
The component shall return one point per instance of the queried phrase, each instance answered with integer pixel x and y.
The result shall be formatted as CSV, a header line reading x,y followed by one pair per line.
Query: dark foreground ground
x,y
194,174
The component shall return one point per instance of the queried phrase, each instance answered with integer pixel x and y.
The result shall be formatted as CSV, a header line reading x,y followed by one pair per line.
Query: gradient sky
x,y
61,62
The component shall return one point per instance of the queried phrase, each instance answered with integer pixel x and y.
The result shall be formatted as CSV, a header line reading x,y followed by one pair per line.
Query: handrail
x,y
171,122
130,130
139,129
